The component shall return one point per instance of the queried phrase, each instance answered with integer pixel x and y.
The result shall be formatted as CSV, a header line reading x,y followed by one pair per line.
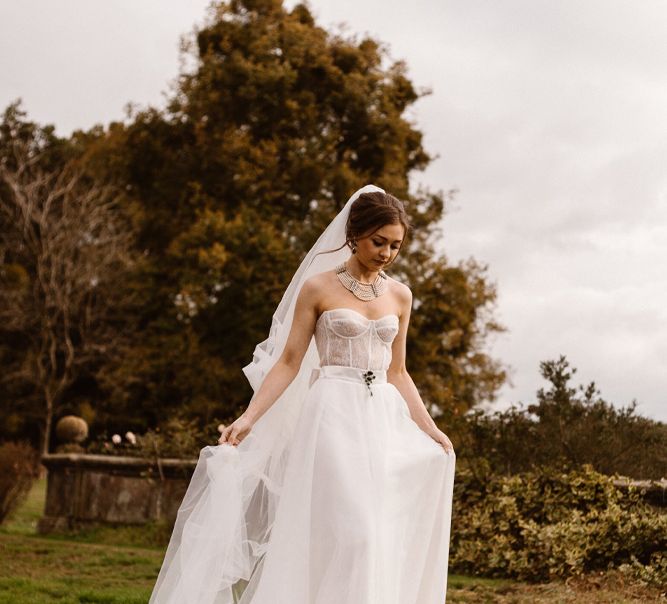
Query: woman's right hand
x,y
236,431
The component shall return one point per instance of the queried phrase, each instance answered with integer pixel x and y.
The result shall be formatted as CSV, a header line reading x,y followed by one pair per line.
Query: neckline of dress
x,y
357,313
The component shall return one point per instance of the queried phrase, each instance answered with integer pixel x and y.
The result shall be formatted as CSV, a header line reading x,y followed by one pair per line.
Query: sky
x,y
547,116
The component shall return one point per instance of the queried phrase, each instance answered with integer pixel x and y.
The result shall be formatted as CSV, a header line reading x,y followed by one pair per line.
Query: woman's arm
x,y
285,368
397,374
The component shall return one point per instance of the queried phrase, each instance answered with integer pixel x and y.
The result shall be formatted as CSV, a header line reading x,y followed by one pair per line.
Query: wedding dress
x,y
365,517
365,512
355,509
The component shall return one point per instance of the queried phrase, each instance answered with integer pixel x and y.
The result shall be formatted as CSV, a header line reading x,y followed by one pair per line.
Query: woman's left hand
x,y
441,438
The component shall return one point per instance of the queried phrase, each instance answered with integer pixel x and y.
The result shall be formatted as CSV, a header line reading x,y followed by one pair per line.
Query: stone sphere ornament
x,y
71,429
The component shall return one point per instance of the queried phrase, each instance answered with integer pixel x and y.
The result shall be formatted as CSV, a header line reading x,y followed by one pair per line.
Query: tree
x,y
263,140
584,428
62,248
566,427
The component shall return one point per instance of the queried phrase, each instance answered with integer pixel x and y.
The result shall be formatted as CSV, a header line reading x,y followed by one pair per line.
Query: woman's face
x,y
381,247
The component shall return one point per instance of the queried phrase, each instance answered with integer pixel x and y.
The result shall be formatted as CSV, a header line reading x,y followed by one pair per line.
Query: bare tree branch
x,y
64,233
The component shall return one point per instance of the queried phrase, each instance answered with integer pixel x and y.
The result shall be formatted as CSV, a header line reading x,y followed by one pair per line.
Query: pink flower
x,y
131,437
116,439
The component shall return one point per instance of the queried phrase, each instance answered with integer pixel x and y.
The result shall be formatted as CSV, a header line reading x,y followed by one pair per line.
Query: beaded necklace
x,y
363,291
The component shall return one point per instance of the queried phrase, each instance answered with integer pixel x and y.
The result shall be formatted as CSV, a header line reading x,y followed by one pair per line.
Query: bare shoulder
x,y
315,285
316,282
401,291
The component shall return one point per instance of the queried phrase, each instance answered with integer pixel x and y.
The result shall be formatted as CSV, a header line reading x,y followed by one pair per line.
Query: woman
x,y
335,485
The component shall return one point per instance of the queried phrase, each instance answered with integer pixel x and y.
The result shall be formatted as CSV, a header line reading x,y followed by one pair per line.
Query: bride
x,y
335,485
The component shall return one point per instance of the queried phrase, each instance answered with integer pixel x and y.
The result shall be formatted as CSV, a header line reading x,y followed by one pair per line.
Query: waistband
x,y
354,374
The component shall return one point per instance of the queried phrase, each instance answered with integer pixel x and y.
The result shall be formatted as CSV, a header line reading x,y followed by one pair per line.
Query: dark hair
x,y
372,211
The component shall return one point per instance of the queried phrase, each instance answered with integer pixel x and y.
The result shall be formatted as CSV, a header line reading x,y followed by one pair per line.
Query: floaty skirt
x,y
364,512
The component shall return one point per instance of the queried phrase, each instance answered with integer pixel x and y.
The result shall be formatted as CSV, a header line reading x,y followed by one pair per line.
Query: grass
x,y
610,588
24,520
119,566
103,565
37,569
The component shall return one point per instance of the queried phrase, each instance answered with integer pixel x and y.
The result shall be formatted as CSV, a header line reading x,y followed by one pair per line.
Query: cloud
x,y
548,116
78,63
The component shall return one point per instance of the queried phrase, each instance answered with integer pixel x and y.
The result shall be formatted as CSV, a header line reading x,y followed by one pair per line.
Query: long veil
x,y
224,522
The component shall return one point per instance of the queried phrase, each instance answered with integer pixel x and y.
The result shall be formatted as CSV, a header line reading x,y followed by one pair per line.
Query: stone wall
x,y
84,490
653,492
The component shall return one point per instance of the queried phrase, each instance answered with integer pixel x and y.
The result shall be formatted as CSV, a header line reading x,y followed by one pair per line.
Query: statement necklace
x,y
363,291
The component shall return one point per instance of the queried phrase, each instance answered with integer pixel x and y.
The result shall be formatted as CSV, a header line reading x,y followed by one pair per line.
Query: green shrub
x,y
541,525
654,573
177,437
18,470
566,426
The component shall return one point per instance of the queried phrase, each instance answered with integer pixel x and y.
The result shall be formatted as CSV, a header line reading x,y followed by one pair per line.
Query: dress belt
x,y
354,374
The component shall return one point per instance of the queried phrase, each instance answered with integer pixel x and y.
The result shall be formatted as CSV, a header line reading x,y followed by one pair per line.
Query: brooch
x,y
368,376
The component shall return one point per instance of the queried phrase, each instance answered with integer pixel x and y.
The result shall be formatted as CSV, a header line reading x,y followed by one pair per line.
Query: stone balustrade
x,y
84,490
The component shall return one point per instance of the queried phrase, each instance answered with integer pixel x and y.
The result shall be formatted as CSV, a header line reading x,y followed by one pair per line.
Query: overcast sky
x,y
548,116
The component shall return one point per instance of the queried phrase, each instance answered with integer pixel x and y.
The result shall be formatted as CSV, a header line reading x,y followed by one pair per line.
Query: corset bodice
x,y
345,337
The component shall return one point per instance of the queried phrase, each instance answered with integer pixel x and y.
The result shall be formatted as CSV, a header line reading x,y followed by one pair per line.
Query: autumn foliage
x,y
264,137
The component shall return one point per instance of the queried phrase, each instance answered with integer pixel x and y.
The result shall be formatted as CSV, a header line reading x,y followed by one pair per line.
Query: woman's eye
x,y
380,244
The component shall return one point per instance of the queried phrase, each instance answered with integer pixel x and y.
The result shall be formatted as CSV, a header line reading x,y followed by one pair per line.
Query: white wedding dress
x,y
365,506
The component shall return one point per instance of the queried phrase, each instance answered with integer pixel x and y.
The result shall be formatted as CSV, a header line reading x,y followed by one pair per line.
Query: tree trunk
x,y
48,420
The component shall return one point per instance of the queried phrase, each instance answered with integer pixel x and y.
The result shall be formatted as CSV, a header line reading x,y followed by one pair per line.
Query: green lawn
x,y
103,565
119,566
38,569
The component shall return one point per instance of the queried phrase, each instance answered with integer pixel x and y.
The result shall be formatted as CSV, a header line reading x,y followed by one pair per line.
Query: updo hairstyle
x,y
370,212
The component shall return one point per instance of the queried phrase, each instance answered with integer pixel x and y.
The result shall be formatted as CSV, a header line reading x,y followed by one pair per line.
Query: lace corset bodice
x,y
345,337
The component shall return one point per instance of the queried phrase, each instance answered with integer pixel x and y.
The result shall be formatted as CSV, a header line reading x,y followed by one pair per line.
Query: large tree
x,y
263,140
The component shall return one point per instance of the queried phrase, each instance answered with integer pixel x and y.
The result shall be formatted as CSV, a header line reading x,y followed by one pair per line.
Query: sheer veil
x,y
224,521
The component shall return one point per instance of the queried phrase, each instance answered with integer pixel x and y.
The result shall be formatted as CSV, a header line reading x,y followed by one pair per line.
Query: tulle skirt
x,y
364,513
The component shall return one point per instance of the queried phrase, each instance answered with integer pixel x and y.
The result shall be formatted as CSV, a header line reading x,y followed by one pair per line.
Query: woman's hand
x,y
236,431
441,438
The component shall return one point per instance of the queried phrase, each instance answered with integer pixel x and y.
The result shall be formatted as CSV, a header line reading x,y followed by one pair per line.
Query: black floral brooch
x,y
368,376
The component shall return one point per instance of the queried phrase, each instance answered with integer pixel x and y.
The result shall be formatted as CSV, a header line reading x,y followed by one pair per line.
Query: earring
x,y
354,247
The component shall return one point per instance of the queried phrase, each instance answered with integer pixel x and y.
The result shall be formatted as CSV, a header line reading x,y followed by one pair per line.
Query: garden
x,y
134,287
118,565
